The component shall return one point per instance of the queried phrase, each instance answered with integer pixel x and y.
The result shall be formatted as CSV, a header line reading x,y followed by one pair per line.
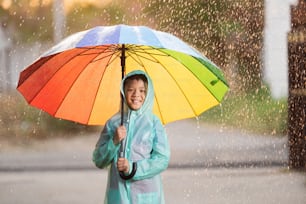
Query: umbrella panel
x,y
90,78
178,92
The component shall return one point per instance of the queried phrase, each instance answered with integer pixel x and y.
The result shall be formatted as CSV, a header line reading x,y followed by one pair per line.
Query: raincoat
x,y
146,144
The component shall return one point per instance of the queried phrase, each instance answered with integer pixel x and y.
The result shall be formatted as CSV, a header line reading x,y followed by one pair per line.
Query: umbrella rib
x,y
136,58
217,78
142,49
140,59
101,58
158,61
161,50
134,52
30,101
99,82
96,95
140,62
72,84
109,49
161,116
113,50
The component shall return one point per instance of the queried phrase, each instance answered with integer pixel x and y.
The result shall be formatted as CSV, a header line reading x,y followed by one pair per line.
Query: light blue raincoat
x,y
146,144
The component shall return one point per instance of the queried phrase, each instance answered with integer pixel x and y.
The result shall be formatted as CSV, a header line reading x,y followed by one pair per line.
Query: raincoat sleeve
x,y
105,150
160,155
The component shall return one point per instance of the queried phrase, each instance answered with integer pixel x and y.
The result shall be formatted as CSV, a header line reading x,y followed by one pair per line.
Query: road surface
x,y
208,165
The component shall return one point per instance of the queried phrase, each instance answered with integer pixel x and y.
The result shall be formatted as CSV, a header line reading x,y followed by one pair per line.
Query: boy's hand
x,y
123,165
120,134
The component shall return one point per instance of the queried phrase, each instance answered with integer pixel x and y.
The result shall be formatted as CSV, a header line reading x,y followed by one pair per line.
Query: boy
x,y
146,144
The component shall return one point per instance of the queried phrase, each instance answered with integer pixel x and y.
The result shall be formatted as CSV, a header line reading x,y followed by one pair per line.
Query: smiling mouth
x,y
136,101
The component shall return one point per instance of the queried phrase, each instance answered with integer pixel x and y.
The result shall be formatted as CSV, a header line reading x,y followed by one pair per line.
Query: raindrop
x,y
198,151
198,122
38,118
34,131
221,109
187,193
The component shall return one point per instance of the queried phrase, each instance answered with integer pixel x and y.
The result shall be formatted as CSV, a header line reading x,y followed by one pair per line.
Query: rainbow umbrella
x,y
79,78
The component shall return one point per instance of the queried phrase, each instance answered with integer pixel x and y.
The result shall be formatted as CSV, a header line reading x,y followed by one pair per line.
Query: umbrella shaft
x,y
122,146
122,76
122,61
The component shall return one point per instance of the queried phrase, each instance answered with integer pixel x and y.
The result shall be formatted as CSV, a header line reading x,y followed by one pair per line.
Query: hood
x,y
148,103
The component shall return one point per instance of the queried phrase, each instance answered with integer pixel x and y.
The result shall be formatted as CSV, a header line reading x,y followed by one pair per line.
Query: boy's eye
x,y
134,90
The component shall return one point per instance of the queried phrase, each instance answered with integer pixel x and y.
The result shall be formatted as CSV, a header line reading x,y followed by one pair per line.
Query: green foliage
x,y
28,23
228,32
20,121
256,112
83,17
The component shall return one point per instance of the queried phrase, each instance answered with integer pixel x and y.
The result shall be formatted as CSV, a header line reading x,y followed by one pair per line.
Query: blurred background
x,y
236,35
241,151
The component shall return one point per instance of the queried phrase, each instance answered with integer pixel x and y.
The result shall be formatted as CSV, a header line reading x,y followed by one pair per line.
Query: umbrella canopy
x,y
79,78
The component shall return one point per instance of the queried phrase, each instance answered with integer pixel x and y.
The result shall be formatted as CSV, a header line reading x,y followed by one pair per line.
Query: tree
x,y
226,31
30,23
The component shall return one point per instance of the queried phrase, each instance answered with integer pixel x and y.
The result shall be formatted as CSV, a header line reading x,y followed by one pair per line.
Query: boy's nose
x,y
136,93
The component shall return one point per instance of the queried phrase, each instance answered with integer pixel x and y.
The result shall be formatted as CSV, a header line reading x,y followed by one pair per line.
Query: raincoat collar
x,y
148,103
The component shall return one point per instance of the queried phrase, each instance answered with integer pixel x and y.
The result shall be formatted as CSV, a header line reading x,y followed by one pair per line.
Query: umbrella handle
x,y
134,168
131,175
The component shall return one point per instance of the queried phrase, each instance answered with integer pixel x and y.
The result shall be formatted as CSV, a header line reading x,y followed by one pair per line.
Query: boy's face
x,y
135,93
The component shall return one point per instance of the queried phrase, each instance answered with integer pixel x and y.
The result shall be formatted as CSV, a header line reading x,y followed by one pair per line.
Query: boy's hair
x,y
137,77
